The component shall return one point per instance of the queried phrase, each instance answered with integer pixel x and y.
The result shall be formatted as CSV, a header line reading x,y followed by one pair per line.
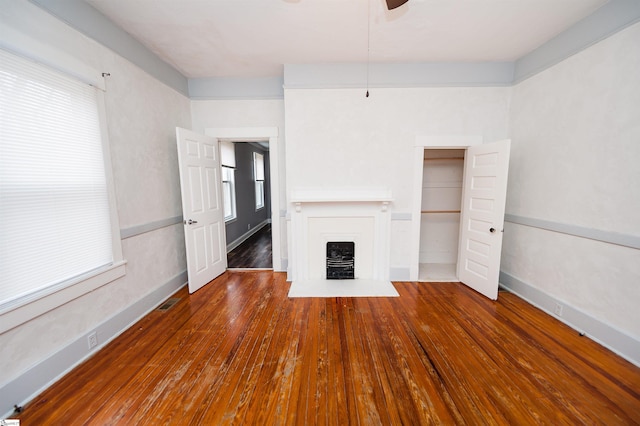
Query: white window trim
x,y
28,308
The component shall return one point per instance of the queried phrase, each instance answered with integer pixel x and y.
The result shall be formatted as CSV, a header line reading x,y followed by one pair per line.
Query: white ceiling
x,y
254,38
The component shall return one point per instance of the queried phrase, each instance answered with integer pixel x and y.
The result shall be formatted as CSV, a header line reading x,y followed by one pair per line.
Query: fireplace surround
x,y
321,216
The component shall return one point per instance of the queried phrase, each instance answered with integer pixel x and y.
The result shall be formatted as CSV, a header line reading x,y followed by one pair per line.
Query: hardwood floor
x,y
253,253
239,351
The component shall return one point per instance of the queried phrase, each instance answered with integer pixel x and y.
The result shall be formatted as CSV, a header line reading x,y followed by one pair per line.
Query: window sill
x,y
25,310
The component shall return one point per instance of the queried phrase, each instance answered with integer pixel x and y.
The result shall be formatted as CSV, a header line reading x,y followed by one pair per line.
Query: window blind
x,y
258,163
228,154
54,208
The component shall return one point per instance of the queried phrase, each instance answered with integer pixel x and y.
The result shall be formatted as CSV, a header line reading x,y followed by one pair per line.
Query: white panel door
x,y
202,208
482,218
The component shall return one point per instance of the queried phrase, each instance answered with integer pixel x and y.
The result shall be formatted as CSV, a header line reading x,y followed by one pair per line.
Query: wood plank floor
x,y
240,352
255,252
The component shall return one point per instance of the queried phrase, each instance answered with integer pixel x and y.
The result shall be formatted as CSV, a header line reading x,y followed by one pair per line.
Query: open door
x,y
482,219
202,208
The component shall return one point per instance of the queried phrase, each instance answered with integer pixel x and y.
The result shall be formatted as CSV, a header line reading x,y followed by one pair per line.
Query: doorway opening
x,y
247,201
441,203
483,192
270,135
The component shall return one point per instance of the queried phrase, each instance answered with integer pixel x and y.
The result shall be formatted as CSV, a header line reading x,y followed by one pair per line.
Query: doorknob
x,y
190,222
492,230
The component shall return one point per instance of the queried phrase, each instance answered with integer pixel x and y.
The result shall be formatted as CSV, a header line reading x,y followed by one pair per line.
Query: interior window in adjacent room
x,y
229,193
258,176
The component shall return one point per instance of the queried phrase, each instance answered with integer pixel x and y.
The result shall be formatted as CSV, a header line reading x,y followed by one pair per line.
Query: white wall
x,y
142,115
338,137
575,132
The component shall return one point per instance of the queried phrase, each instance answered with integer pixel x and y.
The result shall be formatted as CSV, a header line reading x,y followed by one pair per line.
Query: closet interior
x,y
442,179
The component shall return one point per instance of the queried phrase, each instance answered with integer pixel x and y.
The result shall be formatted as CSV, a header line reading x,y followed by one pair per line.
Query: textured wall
x,y
576,143
141,116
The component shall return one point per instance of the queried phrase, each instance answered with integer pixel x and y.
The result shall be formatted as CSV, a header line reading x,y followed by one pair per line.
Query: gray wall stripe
x,y
397,75
607,20
148,227
236,88
625,240
597,330
604,22
89,21
401,216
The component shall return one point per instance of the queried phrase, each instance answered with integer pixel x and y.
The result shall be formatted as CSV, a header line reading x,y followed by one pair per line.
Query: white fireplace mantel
x,y
301,196
340,214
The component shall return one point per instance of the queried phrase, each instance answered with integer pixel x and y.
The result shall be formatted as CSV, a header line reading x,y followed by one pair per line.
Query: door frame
x,y
260,134
429,142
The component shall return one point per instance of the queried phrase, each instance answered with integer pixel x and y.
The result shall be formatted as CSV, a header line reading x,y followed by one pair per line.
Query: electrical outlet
x,y
558,309
93,340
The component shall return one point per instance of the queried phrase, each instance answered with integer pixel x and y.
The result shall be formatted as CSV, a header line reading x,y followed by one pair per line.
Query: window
x,y
229,193
258,177
55,214
228,161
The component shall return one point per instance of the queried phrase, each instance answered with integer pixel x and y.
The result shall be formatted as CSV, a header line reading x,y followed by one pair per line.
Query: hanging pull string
x,y
368,39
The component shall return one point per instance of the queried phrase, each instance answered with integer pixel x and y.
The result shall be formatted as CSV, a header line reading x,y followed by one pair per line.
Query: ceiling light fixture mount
x,y
392,4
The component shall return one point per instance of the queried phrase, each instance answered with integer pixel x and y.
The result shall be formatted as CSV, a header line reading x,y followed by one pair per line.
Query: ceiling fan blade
x,y
392,4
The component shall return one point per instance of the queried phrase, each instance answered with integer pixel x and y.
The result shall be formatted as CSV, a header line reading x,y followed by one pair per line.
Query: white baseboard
x,y
244,237
31,383
597,330
399,274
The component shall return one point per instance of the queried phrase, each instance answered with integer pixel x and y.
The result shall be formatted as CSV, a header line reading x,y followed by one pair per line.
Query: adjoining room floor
x,y
253,253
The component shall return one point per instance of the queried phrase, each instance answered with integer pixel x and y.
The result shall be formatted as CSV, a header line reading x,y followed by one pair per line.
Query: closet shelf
x,y
440,211
436,185
444,158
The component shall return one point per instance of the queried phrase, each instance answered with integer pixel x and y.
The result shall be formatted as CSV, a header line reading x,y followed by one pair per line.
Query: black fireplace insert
x,y
340,260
